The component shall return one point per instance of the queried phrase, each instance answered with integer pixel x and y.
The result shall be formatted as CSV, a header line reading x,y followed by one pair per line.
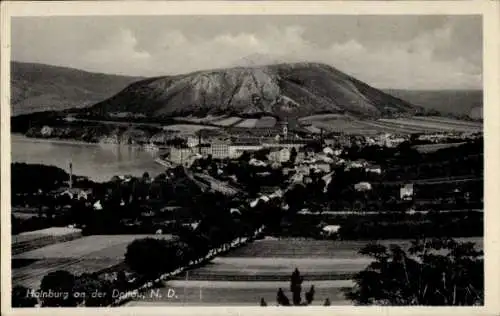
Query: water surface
x,y
95,161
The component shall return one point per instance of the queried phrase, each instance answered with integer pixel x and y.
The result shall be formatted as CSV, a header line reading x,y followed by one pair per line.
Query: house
x,y
76,193
363,186
328,151
374,169
406,192
257,163
356,164
281,155
180,155
193,141
220,149
330,230
97,206
239,146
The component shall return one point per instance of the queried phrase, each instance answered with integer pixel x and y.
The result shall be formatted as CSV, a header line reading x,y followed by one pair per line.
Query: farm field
x,y
226,121
320,117
87,254
350,125
427,148
187,128
48,232
205,119
447,120
199,293
432,125
266,122
31,275
247,123
98,246
245,275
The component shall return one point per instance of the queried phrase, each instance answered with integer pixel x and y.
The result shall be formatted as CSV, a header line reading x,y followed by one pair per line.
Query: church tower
x,y
284,128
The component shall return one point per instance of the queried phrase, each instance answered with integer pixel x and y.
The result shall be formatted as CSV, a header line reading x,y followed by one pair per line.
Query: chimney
x,y
70,175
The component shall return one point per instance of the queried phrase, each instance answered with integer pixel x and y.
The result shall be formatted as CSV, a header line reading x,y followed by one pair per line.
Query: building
x,y
220,149
363,186
374,169
180,155
406,192
238,147
193,141
281,155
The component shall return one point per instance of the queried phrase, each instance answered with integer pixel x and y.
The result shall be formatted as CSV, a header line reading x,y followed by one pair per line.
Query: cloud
x,y
119,54
429,60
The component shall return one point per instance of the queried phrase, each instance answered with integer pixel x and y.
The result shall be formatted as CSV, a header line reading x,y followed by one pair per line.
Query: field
x,y
433,124
266,122
48,232
226,121
187,128
87,254
257,270
247,123
350,125
427,148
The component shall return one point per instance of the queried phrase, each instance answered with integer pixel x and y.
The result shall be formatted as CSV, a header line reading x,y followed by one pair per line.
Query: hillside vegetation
x,y
39,87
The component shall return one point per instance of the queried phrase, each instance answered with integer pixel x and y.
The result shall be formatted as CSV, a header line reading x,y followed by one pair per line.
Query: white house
x,y
374,169
406,192
281,155
363,186
330,230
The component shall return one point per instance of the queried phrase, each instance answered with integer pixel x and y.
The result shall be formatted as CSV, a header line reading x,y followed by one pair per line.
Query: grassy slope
x,y
459,102
39,87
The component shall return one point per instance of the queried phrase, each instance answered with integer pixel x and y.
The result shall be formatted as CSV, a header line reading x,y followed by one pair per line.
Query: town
x,y
275,184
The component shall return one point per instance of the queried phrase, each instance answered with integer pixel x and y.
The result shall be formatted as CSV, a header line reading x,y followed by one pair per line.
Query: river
x,y
95,161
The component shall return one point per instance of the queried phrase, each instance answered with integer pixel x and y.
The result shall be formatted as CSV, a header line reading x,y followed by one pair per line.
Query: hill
x,y
39,87
457,102
297,89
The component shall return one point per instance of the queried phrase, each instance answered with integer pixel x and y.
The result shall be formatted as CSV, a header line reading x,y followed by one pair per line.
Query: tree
x,y
93,291
293,155
150,256
22,298
432,272
310,295
281,298
263,302
60,283
296,287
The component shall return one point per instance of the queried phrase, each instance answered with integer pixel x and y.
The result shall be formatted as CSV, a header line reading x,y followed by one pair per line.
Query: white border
x,y
489,9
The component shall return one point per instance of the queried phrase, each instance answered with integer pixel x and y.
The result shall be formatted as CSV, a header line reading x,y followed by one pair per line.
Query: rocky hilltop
x,y
298,89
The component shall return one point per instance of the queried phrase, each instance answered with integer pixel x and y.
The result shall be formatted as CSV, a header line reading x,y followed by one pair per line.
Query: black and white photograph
x,y
246,160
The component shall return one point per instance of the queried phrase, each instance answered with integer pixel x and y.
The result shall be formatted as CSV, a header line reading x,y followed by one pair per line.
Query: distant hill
x,y
297,89
458,102
39,87
301,88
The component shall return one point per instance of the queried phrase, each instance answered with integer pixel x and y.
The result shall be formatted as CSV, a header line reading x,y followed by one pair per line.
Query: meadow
x,y
87,254
247,274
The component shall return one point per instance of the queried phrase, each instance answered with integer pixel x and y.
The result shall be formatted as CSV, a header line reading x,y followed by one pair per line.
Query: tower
x,y
284,128
70,175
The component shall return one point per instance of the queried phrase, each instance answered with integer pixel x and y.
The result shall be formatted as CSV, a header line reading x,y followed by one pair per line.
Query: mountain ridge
x,y
297,88
37,87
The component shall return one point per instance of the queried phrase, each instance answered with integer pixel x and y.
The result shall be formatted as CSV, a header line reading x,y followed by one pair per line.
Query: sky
x,y
400,52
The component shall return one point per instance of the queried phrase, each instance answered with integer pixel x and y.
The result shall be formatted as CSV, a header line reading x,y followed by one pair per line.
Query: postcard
x,y
250,157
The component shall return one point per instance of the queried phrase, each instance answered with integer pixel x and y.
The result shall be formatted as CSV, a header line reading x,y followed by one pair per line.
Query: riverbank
x,y
97,162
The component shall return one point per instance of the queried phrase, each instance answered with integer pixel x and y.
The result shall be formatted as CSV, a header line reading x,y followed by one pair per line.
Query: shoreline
x,y
23,138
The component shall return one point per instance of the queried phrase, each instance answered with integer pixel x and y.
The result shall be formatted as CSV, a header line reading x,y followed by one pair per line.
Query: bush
x,y
151,257
435,272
